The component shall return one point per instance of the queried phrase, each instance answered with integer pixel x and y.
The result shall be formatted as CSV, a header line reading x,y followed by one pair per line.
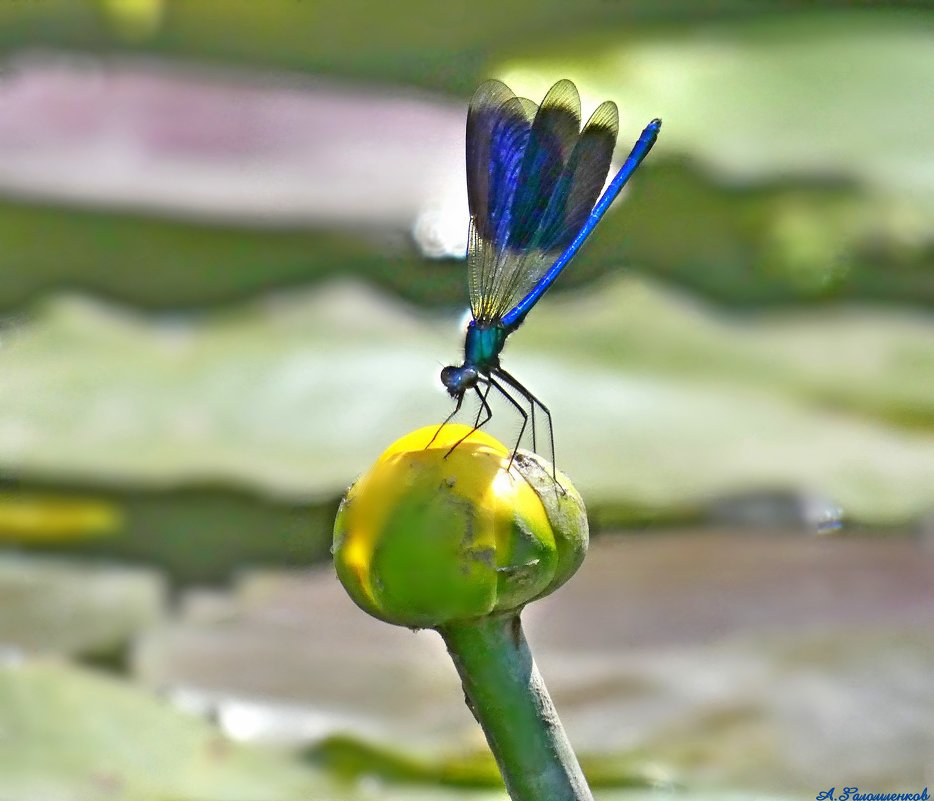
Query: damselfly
x,y
533,179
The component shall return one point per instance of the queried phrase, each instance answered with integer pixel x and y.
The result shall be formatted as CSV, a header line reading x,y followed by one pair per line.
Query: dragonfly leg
x,y
484,407
457,408
533,402
523,412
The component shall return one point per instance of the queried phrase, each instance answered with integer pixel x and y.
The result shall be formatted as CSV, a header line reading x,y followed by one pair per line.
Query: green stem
x,y
509,700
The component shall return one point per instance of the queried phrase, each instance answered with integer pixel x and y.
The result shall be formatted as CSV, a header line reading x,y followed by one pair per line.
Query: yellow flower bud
x,y
432,535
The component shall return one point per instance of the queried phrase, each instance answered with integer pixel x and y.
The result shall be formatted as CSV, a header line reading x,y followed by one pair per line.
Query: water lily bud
x,y
431,535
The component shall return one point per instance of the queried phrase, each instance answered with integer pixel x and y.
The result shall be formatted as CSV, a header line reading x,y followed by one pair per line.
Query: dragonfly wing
x,y
517,257
572,244
532,182
582,180
484,117
499,125
554,133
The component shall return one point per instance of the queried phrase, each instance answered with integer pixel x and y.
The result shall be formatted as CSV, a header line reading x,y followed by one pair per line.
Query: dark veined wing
x,y
498,128
555,131
487,115
532,180
583,177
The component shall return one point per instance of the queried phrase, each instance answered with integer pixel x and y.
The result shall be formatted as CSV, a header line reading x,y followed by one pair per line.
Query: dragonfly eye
x,y
447,375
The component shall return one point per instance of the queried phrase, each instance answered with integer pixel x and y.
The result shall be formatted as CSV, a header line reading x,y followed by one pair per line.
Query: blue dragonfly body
x,y
533,182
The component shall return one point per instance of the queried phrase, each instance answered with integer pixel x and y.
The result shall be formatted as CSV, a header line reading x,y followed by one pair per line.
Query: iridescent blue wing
x,y
494,125
532,182
583,178
498,128
554,133
646,141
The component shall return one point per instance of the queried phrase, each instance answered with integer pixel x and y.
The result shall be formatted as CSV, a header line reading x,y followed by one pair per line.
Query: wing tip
x,y
565,98
563,87
491,93
605,118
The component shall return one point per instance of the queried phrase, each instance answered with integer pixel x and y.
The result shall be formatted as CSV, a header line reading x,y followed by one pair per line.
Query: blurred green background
x,y
230,268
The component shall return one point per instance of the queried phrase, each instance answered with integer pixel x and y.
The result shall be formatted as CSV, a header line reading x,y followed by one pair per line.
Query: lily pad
x,y
797,94
719,658
70,735
56,607
658,403
775,193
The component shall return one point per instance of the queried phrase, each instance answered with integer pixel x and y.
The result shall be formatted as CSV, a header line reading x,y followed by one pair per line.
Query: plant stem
x,y
508,698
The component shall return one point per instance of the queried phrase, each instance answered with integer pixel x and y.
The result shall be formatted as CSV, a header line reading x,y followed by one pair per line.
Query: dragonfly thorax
x,y
483,344
482,347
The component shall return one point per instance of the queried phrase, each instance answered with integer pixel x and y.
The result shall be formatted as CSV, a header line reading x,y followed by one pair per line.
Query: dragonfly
x,y
533,181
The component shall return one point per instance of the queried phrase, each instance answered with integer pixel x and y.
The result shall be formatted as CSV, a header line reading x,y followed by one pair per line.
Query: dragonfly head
x,y
457,380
